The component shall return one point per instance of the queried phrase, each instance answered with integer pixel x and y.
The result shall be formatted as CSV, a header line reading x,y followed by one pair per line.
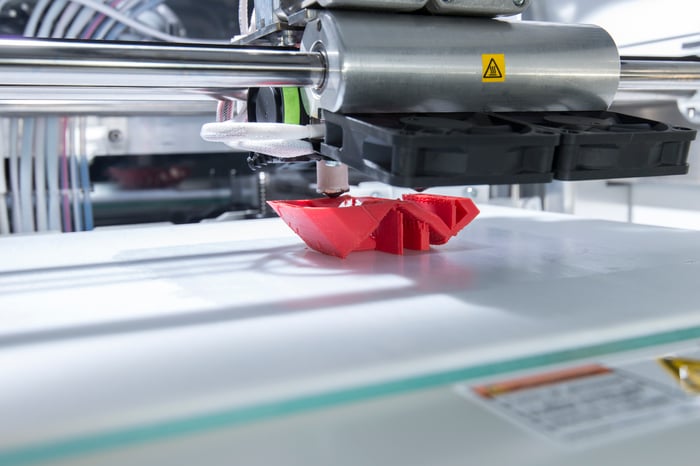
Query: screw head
x,y
519,2
114,135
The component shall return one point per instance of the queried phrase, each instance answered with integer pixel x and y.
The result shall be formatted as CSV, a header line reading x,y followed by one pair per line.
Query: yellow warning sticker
x,y
494,68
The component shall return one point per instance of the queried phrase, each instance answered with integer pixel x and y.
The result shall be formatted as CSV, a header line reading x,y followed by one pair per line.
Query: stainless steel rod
x,y
108,70
659,75
203,68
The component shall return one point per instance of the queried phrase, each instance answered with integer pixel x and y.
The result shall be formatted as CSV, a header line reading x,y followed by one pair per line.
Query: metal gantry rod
x,y
204,68
659,75
103,69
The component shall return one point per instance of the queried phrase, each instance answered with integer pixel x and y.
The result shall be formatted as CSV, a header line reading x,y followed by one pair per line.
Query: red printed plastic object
x,y
345,224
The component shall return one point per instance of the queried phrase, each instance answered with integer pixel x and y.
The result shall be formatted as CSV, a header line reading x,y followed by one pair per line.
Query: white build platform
x,y
235,344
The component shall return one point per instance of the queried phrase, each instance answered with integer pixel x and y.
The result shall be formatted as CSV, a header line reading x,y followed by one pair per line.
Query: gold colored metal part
x,y
685,371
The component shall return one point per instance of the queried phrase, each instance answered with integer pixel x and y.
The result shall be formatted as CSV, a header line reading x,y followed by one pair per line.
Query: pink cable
x,y
96,23
67,219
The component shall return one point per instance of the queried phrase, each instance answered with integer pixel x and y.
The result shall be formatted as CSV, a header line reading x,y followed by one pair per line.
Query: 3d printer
x,y
413,93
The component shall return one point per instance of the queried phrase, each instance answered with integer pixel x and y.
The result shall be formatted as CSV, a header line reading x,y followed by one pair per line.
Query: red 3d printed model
x,y
344,224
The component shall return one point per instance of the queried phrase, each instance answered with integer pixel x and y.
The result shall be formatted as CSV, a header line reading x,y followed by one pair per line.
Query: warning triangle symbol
x,y
492,71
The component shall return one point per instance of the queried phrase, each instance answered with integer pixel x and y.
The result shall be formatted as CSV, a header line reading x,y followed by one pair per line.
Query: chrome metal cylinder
x,y
355,63
411,63
95,65
659,75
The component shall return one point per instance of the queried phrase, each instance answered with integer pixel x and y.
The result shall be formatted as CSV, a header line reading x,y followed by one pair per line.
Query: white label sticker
x,y
586,404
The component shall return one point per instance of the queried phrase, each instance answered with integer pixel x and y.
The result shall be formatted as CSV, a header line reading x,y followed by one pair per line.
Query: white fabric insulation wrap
x,y
276,139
